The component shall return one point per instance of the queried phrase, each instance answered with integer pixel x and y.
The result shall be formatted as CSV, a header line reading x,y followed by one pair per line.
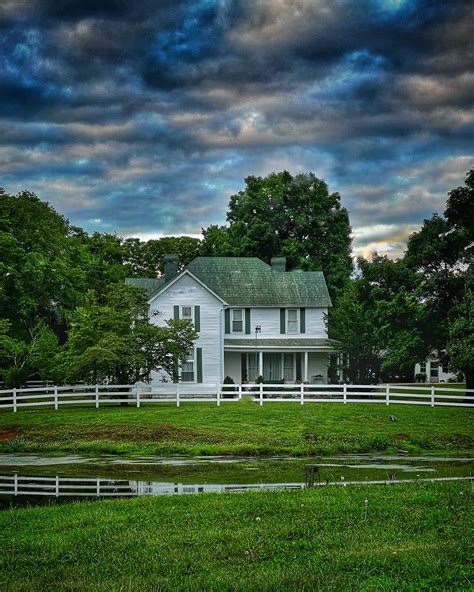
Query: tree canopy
x,y
291,216
397,313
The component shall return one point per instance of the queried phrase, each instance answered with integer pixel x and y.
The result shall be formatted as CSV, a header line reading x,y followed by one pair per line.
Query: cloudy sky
x,y
142,117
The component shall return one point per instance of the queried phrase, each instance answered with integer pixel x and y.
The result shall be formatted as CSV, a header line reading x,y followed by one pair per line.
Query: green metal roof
x,y
248,281
287,342
151,285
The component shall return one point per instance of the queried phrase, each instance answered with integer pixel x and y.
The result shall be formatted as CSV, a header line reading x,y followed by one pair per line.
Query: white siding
x,y
442,375
315,323
317,364
233,366
186,291
269,320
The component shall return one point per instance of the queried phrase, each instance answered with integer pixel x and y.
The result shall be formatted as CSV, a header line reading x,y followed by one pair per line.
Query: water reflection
x,y
20,485
37,479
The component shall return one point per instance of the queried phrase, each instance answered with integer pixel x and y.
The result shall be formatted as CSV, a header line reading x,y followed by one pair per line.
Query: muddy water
x,y
27,479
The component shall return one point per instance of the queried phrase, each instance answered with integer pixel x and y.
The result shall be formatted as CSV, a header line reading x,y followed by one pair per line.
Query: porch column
x,y
260,363
305,367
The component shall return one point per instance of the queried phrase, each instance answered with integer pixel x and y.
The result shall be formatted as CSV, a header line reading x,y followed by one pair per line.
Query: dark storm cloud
x,y
143,117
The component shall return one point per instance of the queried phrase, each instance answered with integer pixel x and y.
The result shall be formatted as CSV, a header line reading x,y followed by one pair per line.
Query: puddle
x,y
28,479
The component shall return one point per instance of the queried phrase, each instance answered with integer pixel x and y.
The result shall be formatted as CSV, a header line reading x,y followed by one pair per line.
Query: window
x,y
423,368
252,367
434,369
187,313
292,320
237,320
187,369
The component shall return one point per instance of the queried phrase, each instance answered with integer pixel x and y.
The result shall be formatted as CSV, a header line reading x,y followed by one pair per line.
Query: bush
x,y
420,377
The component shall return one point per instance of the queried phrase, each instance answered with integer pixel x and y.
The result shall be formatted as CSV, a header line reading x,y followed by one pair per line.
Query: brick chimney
x,y
171,266
278,263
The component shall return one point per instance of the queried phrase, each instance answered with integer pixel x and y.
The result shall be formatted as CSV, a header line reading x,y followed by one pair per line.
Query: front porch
x,y
289,362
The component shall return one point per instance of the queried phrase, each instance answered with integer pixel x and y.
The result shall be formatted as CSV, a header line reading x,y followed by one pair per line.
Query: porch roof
x,y
286,343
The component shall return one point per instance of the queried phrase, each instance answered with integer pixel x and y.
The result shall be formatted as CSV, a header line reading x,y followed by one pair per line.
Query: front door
x,y
272,367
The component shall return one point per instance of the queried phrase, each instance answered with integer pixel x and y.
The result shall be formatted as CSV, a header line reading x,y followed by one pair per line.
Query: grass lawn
x,y
239,428
395,537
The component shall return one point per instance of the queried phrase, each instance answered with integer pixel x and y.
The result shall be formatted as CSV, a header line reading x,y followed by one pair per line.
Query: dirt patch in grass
x,y
401,436
6,435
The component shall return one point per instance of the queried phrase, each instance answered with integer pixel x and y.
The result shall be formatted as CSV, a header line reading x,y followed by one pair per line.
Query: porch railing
x,y
177,394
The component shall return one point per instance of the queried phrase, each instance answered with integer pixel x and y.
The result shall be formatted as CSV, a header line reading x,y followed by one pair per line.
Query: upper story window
x,y
187,313
237,320
292,320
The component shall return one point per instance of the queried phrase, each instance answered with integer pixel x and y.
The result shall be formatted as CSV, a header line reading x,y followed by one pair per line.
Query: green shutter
x,y
247,320
197,318
176,312
302,320
227,320
199,363
282,321
243,363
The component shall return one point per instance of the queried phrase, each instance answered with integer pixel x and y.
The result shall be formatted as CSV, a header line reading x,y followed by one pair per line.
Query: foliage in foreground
x,y
240,429
397,537
114,341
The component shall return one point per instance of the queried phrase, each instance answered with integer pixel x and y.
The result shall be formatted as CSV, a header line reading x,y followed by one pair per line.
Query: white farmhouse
x,y
253,319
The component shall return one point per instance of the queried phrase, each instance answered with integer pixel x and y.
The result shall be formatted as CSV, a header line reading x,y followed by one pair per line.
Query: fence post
x,y
432,395
138,397
302,393
14,400
240,392
218,393
344,393
387,395
177,394
261,394
57,486
97,396
55,397
16,484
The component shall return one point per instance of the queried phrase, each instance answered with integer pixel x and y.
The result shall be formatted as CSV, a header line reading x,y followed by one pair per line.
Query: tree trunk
x,y
470,382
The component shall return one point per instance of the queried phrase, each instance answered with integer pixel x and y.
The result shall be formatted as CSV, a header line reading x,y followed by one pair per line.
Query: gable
x,y
185,285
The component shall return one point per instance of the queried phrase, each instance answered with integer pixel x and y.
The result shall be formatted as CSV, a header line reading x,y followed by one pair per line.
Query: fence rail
x,y
139,394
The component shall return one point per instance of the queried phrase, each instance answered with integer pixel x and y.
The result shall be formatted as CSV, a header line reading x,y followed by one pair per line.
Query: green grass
x,y
240,429
405,537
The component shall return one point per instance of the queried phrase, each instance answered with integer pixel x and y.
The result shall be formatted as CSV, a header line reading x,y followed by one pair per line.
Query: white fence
x,y
139,394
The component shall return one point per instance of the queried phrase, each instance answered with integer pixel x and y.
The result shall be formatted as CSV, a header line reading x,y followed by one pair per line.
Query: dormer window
x,y
237,320
292,320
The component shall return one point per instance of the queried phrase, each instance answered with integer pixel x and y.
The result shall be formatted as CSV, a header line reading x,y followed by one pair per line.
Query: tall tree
x,y
380,321
292,216
41,277
442,253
